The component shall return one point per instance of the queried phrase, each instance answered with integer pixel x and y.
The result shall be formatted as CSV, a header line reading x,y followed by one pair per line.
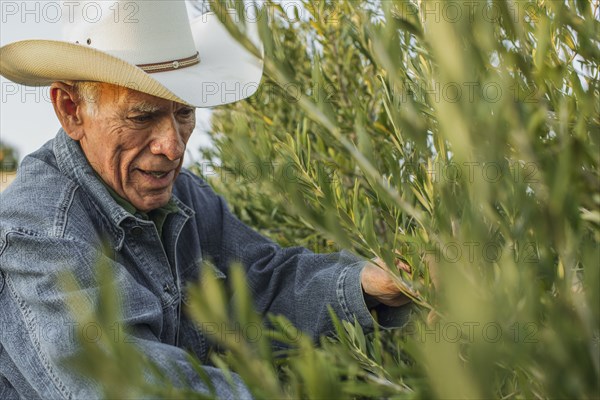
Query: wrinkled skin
x,y
378,283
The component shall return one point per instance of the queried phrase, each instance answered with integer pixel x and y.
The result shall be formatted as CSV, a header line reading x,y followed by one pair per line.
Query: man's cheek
x,y
133,180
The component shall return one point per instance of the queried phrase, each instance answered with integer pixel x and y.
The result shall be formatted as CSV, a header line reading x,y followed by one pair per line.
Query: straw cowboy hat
x,y
149,46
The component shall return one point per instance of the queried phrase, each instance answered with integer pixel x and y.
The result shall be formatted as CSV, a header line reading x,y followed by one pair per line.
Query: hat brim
x,y
227,72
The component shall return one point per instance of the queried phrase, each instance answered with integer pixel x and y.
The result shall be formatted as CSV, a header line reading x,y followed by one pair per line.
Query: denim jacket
x,y
57,215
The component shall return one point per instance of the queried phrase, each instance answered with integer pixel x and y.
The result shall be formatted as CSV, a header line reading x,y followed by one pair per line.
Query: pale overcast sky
x,y
27,119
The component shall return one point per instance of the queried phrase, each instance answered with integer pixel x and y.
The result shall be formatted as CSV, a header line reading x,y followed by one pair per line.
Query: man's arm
x,y
298,283
38,327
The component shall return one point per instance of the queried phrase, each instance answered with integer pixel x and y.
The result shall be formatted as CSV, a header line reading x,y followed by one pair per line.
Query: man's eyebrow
x,y
145,108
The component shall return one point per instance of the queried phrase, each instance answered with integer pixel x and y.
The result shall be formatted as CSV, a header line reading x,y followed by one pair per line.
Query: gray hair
x,y
88,93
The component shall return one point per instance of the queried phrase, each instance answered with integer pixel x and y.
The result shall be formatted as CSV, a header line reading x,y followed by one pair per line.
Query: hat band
x,y
170,65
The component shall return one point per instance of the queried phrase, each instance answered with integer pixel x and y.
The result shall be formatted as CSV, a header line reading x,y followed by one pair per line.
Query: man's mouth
x,y
156,174
158,177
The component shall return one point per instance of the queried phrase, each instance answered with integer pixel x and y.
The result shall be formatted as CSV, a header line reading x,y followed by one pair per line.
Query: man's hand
x,y
378,284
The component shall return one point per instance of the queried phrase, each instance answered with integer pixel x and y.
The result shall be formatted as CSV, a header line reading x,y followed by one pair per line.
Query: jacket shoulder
x,y
193,190
41,200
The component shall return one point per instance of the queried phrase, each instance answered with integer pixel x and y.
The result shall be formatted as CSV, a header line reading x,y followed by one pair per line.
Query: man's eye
x,y
186,112
141,118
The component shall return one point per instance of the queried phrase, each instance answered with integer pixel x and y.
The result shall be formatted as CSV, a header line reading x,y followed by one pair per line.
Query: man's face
x,y
136,143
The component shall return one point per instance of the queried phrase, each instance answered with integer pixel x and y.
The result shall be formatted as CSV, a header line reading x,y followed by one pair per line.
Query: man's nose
x,y
168,141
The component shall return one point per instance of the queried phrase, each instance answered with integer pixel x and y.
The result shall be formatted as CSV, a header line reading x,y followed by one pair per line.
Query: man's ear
x,y
68,109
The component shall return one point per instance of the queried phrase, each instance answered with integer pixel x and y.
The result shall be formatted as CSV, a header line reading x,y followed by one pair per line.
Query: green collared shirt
x,y
158,216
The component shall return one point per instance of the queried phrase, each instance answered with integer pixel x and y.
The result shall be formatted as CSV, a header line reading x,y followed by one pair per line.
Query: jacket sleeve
x,y
297,283
38,328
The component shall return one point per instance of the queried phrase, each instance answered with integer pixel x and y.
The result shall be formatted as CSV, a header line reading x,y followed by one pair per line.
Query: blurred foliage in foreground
x,y
9,158
464,135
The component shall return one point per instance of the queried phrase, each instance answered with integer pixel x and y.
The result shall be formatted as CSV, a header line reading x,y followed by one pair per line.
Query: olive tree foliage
x,y
460,137
8,158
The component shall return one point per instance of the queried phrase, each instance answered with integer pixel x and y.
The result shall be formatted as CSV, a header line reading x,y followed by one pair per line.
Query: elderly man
x,y
110,187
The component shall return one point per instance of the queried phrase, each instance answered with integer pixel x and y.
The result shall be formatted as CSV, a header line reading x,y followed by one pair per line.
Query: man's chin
x,y
153,201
